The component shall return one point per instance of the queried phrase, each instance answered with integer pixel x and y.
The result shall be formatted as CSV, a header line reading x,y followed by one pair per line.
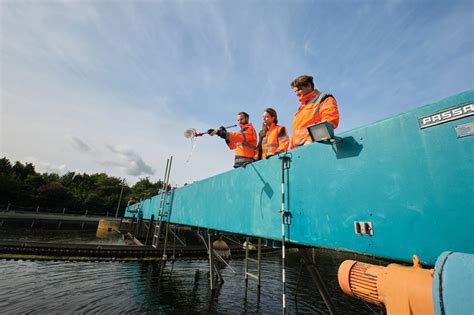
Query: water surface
x,y
40,287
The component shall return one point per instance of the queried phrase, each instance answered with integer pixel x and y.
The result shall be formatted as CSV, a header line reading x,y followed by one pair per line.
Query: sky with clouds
x,y
110,86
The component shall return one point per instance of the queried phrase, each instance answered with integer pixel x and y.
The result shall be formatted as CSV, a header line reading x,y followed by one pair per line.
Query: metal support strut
x,y
313,271
213,271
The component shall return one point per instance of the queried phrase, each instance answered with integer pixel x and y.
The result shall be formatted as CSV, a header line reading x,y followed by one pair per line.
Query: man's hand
x,y
222,132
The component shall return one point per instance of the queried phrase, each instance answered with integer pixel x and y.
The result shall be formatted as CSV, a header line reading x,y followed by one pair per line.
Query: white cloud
x,y
78,144
46,167
129,161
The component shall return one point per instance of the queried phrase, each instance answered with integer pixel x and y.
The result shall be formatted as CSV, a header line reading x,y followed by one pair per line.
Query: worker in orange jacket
x,y
273,138
315,107
244,142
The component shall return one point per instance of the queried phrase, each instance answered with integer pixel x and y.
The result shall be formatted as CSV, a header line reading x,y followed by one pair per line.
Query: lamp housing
x,y
323,132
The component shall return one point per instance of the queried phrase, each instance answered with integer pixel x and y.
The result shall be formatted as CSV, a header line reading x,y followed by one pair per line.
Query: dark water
x,y
43,287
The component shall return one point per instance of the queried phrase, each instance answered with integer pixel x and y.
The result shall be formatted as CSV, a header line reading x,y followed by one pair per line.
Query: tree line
x,y
22,186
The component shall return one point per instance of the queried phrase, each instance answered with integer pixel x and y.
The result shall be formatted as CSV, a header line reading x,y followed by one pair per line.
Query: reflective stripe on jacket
x,y
321,107
275,141
244,142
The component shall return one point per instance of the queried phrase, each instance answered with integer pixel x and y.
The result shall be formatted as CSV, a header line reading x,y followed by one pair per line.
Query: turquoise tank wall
x,y
452,284
415,186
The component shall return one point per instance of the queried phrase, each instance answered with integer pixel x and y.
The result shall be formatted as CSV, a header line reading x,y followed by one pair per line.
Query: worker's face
x,y
267,119
241,120
302,91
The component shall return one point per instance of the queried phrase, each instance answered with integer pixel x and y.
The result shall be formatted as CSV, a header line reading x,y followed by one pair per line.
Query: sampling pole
x,y
284,221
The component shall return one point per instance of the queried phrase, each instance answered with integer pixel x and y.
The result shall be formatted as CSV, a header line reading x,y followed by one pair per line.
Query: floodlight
x,y
323,132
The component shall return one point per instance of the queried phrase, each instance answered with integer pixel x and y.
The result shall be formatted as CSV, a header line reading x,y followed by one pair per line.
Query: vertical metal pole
x,y
120,199
120,224
174,248
164,177
164,189
139,223
162,203
246,260
150,228
133,221
173,257
169,171
283,234
157,231
259,262
168,224
211,262
162,193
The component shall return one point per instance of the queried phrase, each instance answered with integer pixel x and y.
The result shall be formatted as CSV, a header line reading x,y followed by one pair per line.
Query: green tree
x,y
5,166
144,188
21,185
53,194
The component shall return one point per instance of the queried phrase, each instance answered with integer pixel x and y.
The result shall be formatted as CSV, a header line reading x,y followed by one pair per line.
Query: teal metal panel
x,y
415,186
452,284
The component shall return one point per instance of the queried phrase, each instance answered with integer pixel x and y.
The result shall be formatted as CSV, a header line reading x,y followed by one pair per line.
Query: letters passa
x,y
447,115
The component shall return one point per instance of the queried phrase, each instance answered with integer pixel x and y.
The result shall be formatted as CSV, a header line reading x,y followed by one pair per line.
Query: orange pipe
x,y
401,289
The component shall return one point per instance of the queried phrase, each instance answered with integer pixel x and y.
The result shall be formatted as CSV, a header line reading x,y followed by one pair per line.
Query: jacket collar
x,y
306,98
246,126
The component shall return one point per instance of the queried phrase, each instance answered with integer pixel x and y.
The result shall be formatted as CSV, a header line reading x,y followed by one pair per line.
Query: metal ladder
x,y
162,212
258,261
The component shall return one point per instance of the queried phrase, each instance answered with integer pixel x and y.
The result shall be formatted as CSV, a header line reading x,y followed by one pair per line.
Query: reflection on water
x,y
136,287
58,236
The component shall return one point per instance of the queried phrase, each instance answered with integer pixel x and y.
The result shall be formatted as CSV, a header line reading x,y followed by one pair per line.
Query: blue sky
x,y
110,86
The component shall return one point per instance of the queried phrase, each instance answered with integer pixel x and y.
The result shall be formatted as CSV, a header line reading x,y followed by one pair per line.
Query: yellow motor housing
x,y
401,289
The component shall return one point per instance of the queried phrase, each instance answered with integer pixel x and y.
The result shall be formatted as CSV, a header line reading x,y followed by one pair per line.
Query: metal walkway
x,y
390,189
38,216
95,252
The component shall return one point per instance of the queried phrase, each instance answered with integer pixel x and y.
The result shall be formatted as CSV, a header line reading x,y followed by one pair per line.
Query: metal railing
x,y
16,208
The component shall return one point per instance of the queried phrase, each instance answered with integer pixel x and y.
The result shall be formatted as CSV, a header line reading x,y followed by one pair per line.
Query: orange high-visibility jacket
x,y
319,108
244,142
275,141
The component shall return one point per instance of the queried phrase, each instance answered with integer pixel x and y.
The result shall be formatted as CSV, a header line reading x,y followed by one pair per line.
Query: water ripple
x,y
43,287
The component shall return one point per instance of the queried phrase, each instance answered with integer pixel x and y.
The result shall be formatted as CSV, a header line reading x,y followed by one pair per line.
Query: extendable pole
x,y
283,276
